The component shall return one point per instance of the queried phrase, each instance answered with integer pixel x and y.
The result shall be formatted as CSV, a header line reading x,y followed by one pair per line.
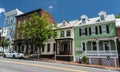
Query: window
x,y
48,47
68,33
94,46
62,34
83,20
43,48
54,46
83,31
83,46
102,17
93,30
106,45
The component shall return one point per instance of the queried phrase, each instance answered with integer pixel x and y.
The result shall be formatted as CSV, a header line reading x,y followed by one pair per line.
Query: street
x,y
20,65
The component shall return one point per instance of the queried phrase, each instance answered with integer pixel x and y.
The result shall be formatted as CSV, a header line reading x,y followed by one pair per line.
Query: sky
x,y
61,9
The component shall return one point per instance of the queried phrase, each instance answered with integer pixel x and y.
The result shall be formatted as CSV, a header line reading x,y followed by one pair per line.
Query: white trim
x,y
109,45
92,46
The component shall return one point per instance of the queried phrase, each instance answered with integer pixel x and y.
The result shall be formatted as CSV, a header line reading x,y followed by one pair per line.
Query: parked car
x,y
13,54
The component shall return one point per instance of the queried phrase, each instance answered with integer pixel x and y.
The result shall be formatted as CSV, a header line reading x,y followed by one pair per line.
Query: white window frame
x,y
104,29
102,17
93,31
82,45
92,46
82,31
104,45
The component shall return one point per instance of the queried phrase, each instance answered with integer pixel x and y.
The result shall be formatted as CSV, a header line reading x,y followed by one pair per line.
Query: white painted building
x,y
9,25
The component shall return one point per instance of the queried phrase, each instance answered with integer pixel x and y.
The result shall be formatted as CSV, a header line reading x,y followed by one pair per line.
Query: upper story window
x,y
104,29
82,31
83,20
93,30
62,34
102,15
68,32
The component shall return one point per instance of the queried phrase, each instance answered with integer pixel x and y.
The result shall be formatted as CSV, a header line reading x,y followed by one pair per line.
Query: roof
x,y
15,11
96,20
30,12
67,24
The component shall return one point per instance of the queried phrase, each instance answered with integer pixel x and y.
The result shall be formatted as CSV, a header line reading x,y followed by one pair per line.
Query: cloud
x,y
2,10
50,7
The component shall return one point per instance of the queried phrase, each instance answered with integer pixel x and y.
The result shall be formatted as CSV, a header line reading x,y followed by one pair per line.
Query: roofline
x,y
30,12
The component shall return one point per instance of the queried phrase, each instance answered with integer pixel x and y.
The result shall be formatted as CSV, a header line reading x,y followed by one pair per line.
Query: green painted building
x,y
96,38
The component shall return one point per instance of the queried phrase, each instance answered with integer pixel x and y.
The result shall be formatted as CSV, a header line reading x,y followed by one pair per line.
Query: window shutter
x,y
100,29
90,30
107,27
79,32
85,31
96,29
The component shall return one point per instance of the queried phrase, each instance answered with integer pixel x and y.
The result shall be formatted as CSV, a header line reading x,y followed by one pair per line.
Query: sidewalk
x,y
76,63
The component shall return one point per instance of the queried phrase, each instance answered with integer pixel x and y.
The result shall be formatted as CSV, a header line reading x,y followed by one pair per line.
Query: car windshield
x,y
13,52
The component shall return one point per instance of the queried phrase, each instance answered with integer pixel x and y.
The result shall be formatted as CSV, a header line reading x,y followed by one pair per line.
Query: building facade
x,y
19,44
96,38
8,30
65,40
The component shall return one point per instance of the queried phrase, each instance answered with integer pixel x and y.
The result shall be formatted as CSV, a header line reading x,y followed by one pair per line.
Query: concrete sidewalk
x,y
76,63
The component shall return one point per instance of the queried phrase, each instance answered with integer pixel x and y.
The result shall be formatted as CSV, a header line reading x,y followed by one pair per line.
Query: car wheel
x,y
4,56
13,56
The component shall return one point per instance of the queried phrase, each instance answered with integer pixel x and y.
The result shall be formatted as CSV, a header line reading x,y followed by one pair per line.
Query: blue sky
x,y
61,9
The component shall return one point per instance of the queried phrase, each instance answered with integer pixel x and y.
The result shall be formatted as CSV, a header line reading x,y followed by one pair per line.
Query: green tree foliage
x,y
118,16
4,43
37,29
84,59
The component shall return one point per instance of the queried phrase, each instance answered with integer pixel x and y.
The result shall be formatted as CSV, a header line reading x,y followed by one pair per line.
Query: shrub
x,y
84,59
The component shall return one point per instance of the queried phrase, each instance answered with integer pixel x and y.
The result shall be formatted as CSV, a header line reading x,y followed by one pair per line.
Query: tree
x,y
118,16
37,29
4,43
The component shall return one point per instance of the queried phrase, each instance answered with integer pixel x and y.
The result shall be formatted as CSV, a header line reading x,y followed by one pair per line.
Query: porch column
x,y
116,46
97,42
24,49
85,47
70,43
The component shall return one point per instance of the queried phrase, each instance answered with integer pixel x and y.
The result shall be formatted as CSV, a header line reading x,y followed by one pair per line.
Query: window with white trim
x,y
93,30
104,29
83,46
102,17
62,34
106,45
83,21
94,45
82,31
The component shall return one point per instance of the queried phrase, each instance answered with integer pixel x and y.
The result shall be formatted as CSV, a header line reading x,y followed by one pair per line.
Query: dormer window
x,y
102,15
84,19
65,22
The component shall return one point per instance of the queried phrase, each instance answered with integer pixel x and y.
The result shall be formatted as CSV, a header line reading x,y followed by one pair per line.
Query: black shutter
x,y
89,30
79,32
107,27
100,29
85,31
96,29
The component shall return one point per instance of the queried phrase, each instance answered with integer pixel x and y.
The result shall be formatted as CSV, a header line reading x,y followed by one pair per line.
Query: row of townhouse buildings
x,y
97,38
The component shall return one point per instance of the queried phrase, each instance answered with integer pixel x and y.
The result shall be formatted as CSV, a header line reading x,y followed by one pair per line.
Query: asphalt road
x,y
19,65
